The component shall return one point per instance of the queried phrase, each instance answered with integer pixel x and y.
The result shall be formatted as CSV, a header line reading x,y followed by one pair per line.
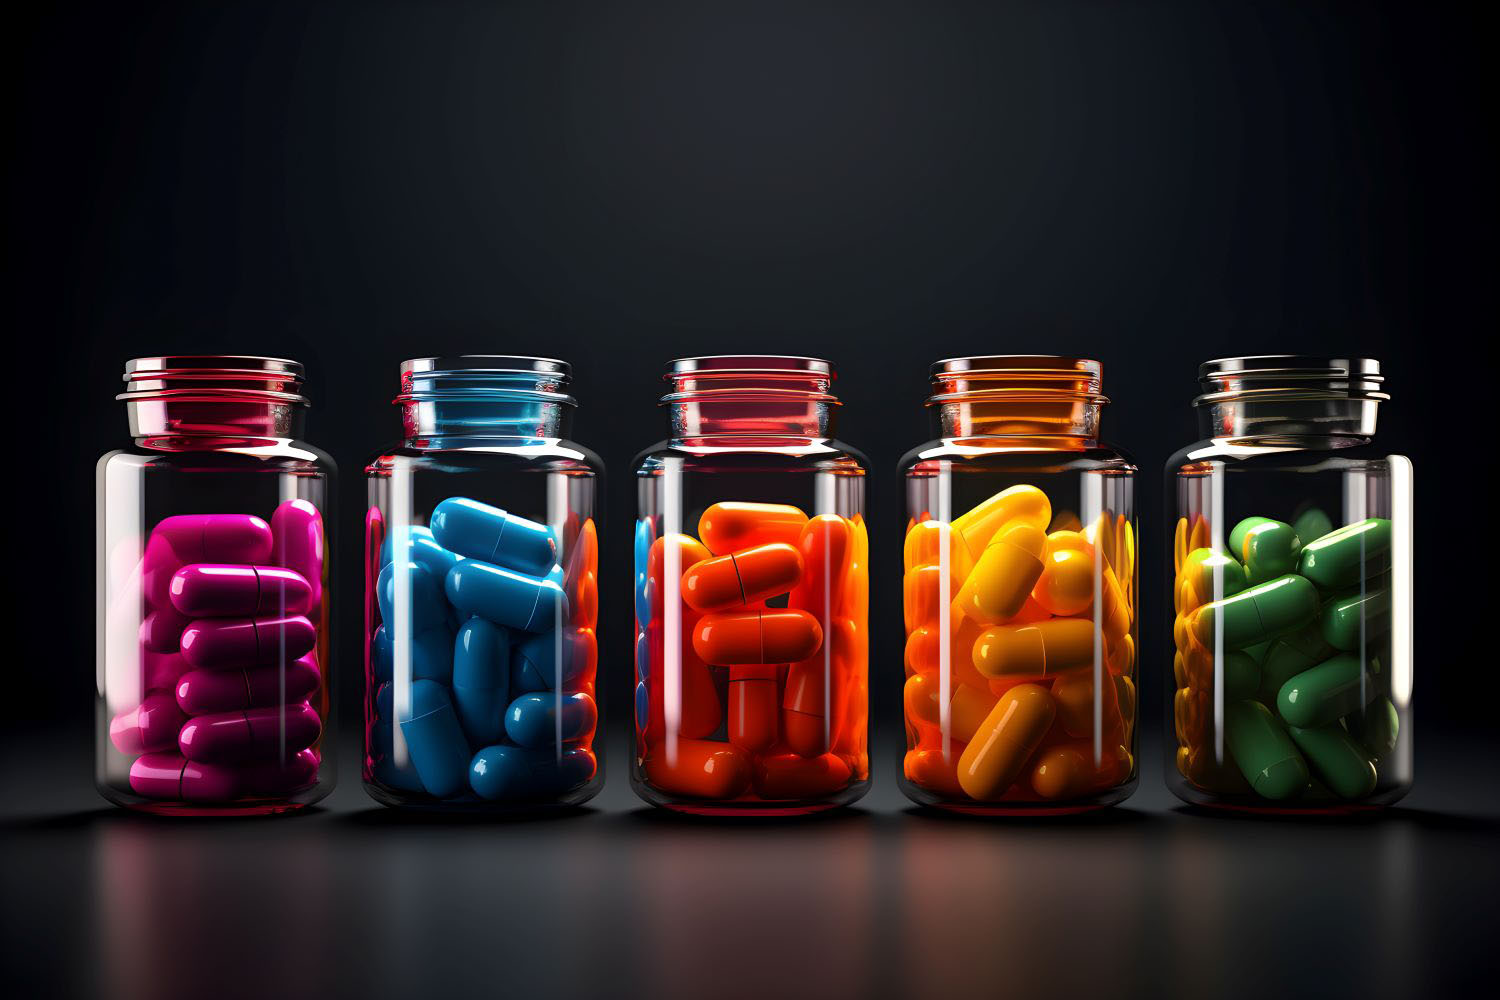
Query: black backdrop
x,y
1150,184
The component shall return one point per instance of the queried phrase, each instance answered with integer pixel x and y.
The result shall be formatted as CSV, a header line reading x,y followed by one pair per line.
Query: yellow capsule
x,y
1039,649
1064,520
1004,575
1179,668
1190,709
1199,538
1023,504
1179,544
1102,534
924,596
924,547
1184,760
1120,654
967,708
1125,693
1066,586
1005,740
1116,620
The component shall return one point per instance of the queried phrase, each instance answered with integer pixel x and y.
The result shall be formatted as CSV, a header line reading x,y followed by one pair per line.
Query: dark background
x,y
1149,184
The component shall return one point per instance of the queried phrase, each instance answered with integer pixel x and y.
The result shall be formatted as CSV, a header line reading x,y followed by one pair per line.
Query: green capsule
x,y
1337,759
1239,531
1273,608
1311,523
1265,754
1259,650
1287,657
1269,549
1377,728
1356,619
1202,566
1241,675
1334,688
1342,558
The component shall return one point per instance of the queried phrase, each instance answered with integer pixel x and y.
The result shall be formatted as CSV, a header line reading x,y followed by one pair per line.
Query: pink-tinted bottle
x,y
214,596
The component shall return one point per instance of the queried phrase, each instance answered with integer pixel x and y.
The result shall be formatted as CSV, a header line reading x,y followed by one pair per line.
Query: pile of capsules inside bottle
x,y
498,701
1029,613
229,657
1286,628
772,619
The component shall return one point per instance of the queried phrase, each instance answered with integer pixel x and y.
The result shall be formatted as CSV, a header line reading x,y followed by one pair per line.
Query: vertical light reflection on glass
x,y
557,520
121,535
671,582
944,482
1216,541
1091,502
399,630
1401,582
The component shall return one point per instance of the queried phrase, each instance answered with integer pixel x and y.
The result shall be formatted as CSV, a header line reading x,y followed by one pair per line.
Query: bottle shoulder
x,y
785,454
469,453
246,455
1343,454
999,454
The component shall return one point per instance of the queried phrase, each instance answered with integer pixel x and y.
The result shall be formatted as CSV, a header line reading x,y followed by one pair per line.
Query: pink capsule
x,y
297,530
274,778
161,630
207,590
221,643
202,692
170,776
201,538
226,737
159,671
151,725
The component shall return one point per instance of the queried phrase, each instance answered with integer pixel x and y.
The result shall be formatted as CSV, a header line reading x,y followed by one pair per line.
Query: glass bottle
x,y
751,595
214,593
481,649
1020,594
1292,592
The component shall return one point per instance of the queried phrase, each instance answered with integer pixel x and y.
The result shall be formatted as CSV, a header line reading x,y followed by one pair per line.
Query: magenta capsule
x,y
222,643
202,692
297,538
151,725
201,538
159,671
209,590
161,630
171,776
226,737
274,778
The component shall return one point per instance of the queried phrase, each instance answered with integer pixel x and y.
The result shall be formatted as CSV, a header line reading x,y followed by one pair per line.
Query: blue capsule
x,y
507,772
546,719
643,533
424,597
505,597
423,548
551,660
435,740
481,680
642,705
480,531
431,654
642,657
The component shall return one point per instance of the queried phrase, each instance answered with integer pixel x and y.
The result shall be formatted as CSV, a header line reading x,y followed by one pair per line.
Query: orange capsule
x,y
806,724
1066,586
702,769
584,600
924,651
1074,695
924,547
1069,770
689,552
967,706
934,771
771,636
584,558
698,710
1002,579
730,526
788,776
856,592
1040,649
741,578
1005,741
924,595
825,546
1020,504
754,706
1116,621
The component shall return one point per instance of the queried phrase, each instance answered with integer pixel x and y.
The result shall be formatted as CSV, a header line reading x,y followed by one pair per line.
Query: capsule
x,y
161,670
756,637
503,773
429,654
1039,649
201,538
1074,696
701,769
152,725
423,548
790,776
924,546
1332,689
924,651
1068,771
1205,574
161,630
1342,558
1311,524
1269,549
1240,675
1066,586
1006,739
809,723
645,535
172,776
205,692
1238,533
1019,504
825,549
478,531
481,680
935,770
1004,574
1262,612
435,741
204,590
1377,727
754,706
553,661
687,552
297,544
967,707
731,526
223,643
741,578
1287,657
1263,750
544,720
256,733
1335,758
506,597
1354,620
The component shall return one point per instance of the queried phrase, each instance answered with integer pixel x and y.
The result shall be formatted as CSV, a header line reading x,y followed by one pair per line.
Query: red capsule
x,y
741,578
729,527
754,706
700,769
221,643
790,776
769,636
226,737
812,684
208,590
